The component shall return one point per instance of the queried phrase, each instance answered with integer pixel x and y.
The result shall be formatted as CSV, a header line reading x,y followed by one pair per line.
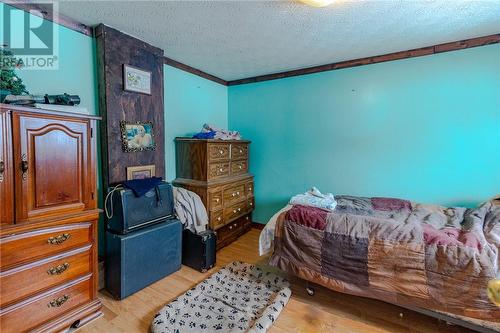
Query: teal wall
x,y
76,73
190,102
426,129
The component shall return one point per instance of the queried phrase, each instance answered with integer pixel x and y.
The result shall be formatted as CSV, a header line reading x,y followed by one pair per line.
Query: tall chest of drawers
x,y
48,220
217,170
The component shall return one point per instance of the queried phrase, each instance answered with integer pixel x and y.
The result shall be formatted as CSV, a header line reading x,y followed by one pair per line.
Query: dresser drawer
x,y
234,211
234,194
239,150
26,315
37,244
217,152
214,200
29,279
239,167
218,170
249,189
250,204
227,234
216,219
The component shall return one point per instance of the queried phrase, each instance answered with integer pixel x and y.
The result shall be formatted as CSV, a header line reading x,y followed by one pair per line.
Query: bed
x,y
414,255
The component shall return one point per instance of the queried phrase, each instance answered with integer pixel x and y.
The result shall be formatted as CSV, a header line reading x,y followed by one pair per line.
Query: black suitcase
x,y
131,213
198,250
136,260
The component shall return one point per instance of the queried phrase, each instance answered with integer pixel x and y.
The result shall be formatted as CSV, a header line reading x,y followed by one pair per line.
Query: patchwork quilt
x,y
395,250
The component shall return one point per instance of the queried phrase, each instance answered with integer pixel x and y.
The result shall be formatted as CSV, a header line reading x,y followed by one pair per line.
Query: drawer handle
x,y
221,152
241,151
240,166
24,166
2,170
234,210
220,170
58,301
237,193
218,219
58,239
58,269
234,194
217,199
239,209
250,189
251,203
231,227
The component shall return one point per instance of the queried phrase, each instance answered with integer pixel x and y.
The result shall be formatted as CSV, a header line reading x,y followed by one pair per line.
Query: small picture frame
x,y
140,172
137,136
136,80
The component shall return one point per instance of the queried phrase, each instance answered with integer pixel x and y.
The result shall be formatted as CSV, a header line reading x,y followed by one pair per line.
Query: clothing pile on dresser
x,y
212,132
190,210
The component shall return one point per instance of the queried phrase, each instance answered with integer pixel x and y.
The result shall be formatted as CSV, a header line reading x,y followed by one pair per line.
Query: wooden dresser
x,y
217,170
48,215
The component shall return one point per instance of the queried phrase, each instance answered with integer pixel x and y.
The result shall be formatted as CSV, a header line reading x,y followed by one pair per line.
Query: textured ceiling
x,y
239,39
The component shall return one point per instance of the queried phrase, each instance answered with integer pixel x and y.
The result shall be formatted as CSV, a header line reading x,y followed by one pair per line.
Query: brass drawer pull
x,y
2,170
24,166
58,269
217,199
218,219
221,152
220,170
58,302
241,151
58,239
240,166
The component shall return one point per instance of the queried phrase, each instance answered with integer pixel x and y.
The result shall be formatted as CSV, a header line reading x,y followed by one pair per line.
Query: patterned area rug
x,y
238,298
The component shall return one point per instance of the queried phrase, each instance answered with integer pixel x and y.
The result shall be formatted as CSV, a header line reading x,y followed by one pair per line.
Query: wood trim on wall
x,y
192,70
45,11
446,47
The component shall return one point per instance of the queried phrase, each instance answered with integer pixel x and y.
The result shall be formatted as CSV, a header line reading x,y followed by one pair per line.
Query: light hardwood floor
x,y
326,311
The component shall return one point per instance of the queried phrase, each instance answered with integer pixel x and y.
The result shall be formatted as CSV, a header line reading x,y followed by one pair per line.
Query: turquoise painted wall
x,y
190,102
76,73
426,129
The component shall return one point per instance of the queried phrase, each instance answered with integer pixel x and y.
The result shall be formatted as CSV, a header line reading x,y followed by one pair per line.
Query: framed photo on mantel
x,y
136,80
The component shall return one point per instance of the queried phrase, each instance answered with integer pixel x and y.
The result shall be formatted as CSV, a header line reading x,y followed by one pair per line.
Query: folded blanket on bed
x,y
315,198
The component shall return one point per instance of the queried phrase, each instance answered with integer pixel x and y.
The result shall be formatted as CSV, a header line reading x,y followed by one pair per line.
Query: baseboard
x,y
259,226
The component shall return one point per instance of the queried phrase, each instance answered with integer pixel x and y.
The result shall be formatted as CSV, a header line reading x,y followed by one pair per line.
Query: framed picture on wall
x,y
140,172
136,80
137,136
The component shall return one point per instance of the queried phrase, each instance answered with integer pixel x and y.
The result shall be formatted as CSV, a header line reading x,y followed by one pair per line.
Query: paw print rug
x,y
238,298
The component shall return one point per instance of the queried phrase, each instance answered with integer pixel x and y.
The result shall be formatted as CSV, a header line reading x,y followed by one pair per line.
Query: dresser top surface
x,y
30,109
187,139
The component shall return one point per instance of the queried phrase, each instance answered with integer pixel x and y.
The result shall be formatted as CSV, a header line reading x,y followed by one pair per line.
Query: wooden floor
x,y
326,311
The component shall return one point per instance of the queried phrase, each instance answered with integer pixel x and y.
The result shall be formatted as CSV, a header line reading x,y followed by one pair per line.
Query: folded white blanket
x,y
315,198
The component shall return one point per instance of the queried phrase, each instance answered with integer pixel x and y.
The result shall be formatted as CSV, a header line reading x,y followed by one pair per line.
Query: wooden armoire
x,y
217,170
49,216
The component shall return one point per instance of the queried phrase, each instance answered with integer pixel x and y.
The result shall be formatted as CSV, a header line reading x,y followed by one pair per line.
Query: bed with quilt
x,y
394,250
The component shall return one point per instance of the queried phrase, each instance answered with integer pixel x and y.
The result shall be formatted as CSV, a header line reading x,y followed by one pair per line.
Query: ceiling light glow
x,y
318,3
